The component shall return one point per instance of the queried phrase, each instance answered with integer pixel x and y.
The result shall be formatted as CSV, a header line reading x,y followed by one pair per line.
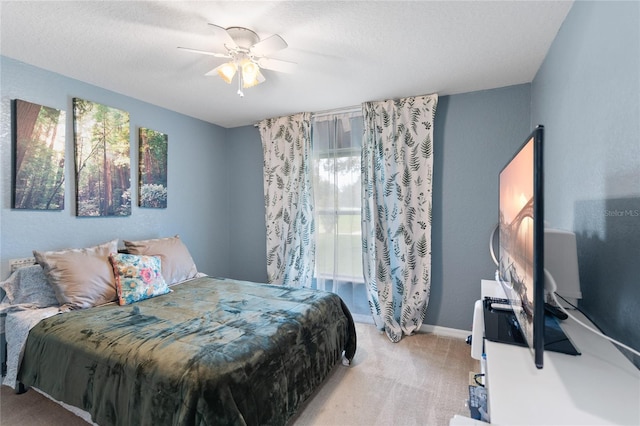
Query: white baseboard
x,y
426,328
445,331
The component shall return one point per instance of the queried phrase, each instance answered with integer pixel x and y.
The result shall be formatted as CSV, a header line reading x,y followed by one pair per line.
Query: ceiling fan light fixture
x,y
227,71
250,71
247,54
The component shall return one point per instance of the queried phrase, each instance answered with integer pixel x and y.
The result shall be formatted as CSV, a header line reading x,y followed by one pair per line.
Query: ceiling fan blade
x,y
260,77
277,65
268,45
213,71
216,69
204,52
224,36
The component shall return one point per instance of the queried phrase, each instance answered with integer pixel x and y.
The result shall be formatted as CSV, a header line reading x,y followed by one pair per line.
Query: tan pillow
x,y
81,278
177,263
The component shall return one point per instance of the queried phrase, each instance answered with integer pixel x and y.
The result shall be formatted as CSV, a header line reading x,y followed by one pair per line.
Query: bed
x,y
207,351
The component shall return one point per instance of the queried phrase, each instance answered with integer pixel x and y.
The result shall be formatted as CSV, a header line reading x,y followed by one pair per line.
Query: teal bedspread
x,y
212,352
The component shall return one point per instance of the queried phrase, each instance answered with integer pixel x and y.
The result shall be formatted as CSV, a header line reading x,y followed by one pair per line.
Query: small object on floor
x,y
478,403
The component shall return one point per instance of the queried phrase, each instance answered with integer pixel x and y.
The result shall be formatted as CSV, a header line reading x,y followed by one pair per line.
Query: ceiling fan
x,y
248,54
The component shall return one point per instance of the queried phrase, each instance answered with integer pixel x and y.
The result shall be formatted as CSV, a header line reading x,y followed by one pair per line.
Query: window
x,y
337,145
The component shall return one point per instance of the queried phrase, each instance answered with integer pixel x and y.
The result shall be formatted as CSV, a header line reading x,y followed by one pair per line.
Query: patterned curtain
x,y
397,164
286,142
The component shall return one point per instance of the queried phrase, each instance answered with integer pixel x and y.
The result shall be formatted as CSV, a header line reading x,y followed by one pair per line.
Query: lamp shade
x,y
227,71
250,71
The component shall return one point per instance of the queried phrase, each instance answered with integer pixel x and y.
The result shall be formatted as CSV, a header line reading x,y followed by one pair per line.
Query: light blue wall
x,y
248,241
475,134
197,178
587,94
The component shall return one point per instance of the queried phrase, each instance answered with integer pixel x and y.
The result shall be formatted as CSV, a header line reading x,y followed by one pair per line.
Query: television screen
x,y
521,232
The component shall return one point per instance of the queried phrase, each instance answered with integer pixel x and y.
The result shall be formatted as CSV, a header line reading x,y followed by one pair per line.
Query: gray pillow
x,y
81,278
29,285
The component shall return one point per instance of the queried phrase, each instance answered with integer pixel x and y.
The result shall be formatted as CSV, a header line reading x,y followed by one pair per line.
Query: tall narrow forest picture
x,y
152,169
103,170
38,156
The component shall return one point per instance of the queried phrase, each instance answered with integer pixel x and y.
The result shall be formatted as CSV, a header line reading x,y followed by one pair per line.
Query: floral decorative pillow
x,y
137,277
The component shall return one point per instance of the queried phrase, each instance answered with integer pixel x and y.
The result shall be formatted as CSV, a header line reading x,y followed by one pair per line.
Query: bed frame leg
x,y
20,388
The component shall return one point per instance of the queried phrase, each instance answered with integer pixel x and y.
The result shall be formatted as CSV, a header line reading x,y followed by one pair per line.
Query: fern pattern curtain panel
x,y
288,198
397,165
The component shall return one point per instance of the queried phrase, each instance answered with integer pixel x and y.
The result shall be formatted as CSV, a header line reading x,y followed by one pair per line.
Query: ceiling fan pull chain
x,y
240,92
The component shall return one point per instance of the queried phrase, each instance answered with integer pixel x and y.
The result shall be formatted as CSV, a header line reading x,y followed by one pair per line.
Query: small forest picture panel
x,y
38,156
103,168
153,169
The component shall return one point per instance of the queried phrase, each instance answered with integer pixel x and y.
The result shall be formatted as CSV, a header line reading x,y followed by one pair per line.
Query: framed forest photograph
x,y
38,156
152,168
103,165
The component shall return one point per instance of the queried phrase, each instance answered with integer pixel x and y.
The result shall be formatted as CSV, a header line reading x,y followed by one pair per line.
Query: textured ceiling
x,y
347,52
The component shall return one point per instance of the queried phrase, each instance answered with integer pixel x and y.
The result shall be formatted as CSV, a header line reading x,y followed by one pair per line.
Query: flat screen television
x,y
521,240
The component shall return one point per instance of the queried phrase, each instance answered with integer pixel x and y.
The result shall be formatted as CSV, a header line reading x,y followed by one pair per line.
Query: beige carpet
x,y
423,380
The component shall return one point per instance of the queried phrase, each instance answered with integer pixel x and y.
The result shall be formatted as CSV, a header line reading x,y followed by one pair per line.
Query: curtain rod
x,y
344,110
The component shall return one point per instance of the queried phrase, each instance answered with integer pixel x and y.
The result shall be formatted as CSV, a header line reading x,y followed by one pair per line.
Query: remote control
x,y
497,300
501,306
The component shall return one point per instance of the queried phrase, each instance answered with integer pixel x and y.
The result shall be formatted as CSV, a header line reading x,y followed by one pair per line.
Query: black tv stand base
x,y
502,326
